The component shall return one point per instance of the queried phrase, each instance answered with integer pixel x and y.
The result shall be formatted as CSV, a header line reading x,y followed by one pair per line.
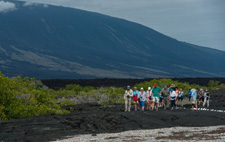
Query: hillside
x,y
58,42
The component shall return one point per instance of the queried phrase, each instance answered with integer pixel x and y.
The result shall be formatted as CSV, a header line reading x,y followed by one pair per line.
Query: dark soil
x,y
60,83
94,119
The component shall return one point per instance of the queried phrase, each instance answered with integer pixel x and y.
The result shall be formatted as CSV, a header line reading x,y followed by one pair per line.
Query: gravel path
x,y
212,133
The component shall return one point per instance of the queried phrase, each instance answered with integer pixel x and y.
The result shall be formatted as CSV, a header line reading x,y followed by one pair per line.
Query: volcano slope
x,y
94,119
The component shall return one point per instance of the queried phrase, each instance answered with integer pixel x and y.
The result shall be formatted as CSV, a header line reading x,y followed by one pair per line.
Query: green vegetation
x,y
212,85
27,97
23,97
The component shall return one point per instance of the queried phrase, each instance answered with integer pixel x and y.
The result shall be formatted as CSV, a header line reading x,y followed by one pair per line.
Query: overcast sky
x,y
200,22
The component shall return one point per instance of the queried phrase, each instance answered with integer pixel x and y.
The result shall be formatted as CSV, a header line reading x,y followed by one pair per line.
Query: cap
x,y
149,88
142,88
128,87
155,85
180,89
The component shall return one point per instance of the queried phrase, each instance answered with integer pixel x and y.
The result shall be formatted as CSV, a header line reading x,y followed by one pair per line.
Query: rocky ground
x,y
94,119
211,133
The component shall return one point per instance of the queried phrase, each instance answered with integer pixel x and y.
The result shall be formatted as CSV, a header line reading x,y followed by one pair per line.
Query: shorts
x,y
194,102
202,99
135,99
155,99
160,99
142,103
180,98
150,98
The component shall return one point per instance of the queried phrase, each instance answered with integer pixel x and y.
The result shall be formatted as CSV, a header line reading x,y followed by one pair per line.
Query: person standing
x,y
142,95
201,96
165,94
180,97
177,93
156,91
194,98
135,99
173,97
127,98
189,94
149,98
206,98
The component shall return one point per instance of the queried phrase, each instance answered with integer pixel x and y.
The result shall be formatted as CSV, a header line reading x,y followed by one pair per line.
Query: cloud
x,y
7,6
34,4
28,4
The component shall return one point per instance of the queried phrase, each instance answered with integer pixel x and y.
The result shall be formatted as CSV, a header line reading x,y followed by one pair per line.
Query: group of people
x,y
156,96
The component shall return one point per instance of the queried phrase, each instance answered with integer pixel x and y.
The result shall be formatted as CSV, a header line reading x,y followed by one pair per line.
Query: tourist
x,y
142,95
173,97
206,98
177,93
180,97
189,94
165,94
135,99
194,98
156,95
127,97
149,98
201,96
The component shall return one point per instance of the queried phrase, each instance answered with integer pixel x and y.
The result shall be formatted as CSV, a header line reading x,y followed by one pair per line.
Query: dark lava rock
x,y
94,119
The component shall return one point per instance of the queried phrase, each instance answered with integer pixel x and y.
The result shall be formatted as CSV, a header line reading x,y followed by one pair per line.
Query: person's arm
x,y
131,94
160,92
125,95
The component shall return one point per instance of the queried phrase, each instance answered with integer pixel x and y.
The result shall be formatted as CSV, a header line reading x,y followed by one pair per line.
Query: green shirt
x,y
156,91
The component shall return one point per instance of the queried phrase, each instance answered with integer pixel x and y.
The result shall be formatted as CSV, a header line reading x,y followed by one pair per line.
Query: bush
x,y
23,97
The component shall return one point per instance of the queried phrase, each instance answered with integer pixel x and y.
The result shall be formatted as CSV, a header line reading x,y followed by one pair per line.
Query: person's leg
x,y
193,104
143,106
165,103
129,104
204,102
208,102
172,104
147,104
182,102
135,105
157,103
196,105
168,102
126,102
153,103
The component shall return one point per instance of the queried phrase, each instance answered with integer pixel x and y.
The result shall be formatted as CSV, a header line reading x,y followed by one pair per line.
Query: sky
x,y
200,22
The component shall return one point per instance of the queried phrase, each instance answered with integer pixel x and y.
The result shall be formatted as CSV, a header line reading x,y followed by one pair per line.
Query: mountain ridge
x,y
58,42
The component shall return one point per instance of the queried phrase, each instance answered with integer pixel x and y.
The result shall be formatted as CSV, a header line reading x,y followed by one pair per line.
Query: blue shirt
x,y
189,92
181,93
135,92
194,95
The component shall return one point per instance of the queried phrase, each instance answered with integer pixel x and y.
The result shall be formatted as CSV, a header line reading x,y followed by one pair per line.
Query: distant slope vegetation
x,y
58,42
